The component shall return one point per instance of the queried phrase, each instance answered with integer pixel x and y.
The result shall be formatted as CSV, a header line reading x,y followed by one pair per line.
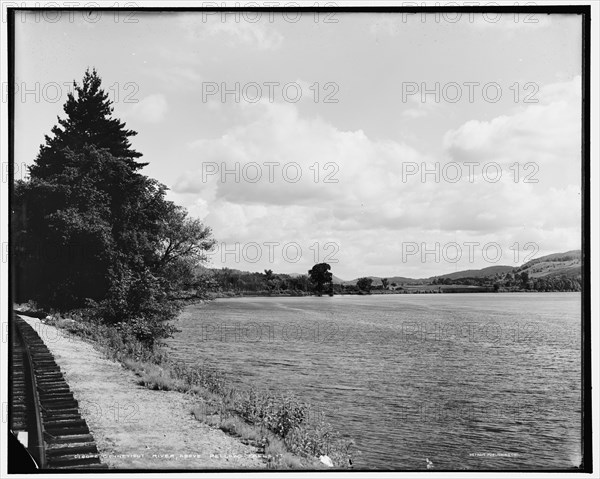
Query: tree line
x,y
518,281
318,281
120,250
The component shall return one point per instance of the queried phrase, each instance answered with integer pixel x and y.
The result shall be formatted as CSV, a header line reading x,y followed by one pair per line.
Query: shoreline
x,y
235,295
135,427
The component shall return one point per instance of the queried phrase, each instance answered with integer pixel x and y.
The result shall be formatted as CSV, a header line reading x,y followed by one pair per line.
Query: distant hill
x,y
477,273
557,257
557,264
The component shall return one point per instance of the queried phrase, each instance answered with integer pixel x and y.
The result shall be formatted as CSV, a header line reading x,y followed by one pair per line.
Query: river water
x,y
469,381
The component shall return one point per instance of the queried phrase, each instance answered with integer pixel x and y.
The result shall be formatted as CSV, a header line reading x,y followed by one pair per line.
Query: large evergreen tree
x,y
91,229
88,121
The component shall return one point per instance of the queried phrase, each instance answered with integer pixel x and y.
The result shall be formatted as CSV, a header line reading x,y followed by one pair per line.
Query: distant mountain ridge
x,y
477,273
556,264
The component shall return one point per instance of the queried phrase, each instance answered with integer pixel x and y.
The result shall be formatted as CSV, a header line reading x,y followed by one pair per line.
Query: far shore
x,y
458,290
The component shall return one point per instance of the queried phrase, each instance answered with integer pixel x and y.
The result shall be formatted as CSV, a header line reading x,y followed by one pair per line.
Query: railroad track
x,y
44,414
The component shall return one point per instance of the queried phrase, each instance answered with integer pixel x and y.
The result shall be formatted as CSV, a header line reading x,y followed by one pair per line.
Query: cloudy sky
x,y
384,144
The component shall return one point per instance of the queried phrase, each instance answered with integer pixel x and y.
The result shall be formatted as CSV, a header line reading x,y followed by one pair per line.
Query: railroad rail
x,y
44,414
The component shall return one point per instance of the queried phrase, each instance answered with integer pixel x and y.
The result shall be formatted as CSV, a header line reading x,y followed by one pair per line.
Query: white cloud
x,y
245,33
371,210
414,113
231,30
547,134
177,77
151,109
333,166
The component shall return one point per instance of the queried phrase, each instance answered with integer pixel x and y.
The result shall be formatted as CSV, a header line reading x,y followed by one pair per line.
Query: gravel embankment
x,y
135,427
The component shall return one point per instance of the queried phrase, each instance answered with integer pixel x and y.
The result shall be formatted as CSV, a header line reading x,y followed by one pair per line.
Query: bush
x,y
138,307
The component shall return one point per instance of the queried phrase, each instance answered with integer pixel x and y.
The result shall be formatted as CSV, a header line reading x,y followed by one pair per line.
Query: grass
x,y
290,433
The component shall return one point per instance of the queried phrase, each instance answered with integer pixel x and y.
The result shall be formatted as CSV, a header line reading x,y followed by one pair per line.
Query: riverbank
x,y
135,427
284,429
412,289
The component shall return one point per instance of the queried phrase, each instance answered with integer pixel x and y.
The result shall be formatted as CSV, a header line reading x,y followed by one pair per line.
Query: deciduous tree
x,y
364,284
320,275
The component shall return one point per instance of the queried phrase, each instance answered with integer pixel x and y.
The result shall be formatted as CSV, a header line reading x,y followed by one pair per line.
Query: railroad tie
x,y
66,438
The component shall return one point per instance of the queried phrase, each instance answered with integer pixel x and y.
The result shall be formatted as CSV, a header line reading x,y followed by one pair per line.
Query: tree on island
x,y
364,284
384,283
320,275
91,231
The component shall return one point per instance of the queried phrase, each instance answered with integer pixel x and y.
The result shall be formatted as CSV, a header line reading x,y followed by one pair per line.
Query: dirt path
x,y
135,427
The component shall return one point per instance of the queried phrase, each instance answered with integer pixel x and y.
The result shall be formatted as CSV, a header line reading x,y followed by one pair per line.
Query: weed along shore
x,y
135,427
148,412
